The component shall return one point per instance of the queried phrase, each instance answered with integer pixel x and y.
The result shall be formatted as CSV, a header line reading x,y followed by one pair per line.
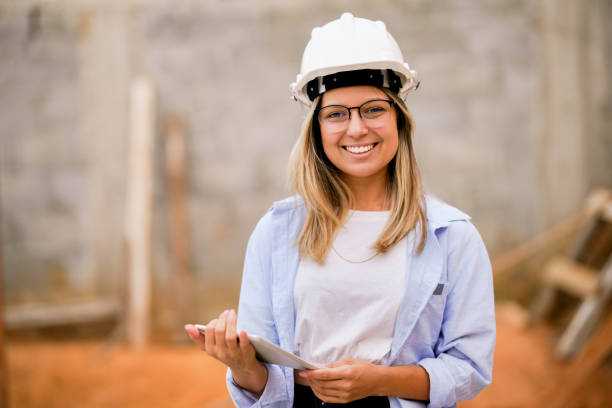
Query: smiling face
x,y
362,149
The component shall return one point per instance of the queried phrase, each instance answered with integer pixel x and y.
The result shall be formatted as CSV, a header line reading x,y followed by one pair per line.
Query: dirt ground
x,y
87,374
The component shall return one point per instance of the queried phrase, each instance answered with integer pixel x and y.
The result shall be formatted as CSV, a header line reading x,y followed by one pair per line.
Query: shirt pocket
x,y
434,310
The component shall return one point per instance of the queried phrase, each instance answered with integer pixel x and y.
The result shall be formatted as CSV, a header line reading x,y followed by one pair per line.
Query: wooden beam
x,y
3,364
178,215
596,203
571,277
31,316
586,317
140,211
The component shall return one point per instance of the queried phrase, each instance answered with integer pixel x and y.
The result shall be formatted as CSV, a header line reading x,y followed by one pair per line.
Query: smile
x,y
359,149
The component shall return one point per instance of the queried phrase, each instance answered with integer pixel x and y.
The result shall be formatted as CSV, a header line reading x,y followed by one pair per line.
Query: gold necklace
x,y
354,262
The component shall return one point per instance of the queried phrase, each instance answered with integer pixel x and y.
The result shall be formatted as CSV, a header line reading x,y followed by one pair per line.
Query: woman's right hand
x,y
222,343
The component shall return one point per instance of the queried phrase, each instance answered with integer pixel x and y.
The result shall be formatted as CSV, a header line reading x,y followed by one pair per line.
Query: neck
x,y
369,194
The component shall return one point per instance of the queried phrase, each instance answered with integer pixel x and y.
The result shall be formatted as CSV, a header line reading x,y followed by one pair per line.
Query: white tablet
x,y
271,353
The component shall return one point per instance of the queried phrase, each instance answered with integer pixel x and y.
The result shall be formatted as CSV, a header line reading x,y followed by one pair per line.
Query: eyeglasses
x,y
338,116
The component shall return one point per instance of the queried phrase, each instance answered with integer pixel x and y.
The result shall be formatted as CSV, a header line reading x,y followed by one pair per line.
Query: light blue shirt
x,y
445,323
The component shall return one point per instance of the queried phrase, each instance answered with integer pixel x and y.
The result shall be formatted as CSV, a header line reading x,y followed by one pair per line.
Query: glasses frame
x,y
349,109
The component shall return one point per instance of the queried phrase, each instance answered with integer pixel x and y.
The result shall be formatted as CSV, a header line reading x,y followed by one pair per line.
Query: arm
x,y
255,317
350,379
249,382
463,359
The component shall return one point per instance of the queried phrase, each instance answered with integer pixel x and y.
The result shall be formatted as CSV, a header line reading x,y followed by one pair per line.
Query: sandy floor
x,y
84,374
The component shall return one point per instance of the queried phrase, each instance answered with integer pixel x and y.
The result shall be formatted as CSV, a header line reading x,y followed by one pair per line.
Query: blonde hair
x,y
328,199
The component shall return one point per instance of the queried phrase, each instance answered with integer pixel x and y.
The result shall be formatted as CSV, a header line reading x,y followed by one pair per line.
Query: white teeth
x,y
359,149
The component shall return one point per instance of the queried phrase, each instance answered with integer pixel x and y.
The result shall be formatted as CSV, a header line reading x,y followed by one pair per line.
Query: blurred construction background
x,y
141,141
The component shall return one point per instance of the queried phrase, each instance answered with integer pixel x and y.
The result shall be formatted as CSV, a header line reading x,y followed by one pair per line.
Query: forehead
x,y
352,95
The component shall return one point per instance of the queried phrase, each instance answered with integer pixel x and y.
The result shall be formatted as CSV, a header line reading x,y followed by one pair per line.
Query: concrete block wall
x,y
512,117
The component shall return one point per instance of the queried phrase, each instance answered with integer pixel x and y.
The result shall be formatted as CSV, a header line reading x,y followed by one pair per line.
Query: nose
x,y
356,126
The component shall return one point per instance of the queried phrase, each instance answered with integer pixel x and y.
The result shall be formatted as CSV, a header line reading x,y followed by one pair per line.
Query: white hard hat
x,y
352,51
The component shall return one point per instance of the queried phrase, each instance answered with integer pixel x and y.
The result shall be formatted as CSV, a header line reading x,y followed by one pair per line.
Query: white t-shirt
x,y
346,309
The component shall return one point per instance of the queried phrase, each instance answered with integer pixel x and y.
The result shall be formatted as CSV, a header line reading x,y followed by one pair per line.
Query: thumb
x,y
342,362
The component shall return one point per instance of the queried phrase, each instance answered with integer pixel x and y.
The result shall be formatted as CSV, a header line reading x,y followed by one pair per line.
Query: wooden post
x,y
139,210
179,239
3,365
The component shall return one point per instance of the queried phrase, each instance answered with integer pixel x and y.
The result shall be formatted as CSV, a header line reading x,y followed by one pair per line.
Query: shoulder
x,y
451,224
289,204
440,214
453,229
283,215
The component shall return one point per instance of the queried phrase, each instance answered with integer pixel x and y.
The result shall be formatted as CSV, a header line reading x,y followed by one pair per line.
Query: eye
x,y
333,113
374,109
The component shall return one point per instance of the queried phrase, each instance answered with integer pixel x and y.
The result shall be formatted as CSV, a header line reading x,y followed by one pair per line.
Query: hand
x,y
343,381
222,343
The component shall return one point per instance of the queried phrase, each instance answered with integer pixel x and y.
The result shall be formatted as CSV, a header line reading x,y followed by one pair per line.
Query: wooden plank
x,y
607,213
571,277
140,211
596,202
178,225
31,316
587,316
600,244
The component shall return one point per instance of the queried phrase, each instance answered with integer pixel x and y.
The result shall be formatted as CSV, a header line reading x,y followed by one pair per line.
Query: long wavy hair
x,y
328,199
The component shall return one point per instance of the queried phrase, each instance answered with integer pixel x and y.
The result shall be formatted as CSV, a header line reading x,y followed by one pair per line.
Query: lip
x,y
375,144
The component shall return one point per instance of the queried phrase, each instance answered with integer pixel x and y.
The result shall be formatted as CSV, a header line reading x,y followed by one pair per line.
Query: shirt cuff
x,y
275,390
441,383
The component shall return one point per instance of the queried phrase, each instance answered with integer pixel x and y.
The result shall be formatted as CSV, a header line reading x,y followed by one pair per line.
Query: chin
x,y
361,173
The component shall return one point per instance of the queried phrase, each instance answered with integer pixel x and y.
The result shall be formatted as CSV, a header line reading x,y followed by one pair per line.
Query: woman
x,y
360,273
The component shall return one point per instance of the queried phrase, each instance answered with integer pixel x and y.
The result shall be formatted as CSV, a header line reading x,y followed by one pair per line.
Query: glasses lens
x,y
374,109
333,114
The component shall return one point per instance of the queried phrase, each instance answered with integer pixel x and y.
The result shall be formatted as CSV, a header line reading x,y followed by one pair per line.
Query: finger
x,y
209,337
328,374
301,377
194,334
220,333
231,339
333,387
244,342
326,396
320,395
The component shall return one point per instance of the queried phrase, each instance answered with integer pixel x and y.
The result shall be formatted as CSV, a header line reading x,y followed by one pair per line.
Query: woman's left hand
x,y
343,381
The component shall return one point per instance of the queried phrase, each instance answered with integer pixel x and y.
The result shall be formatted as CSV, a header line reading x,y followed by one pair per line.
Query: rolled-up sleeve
x,y
275,393
463,360
255,317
